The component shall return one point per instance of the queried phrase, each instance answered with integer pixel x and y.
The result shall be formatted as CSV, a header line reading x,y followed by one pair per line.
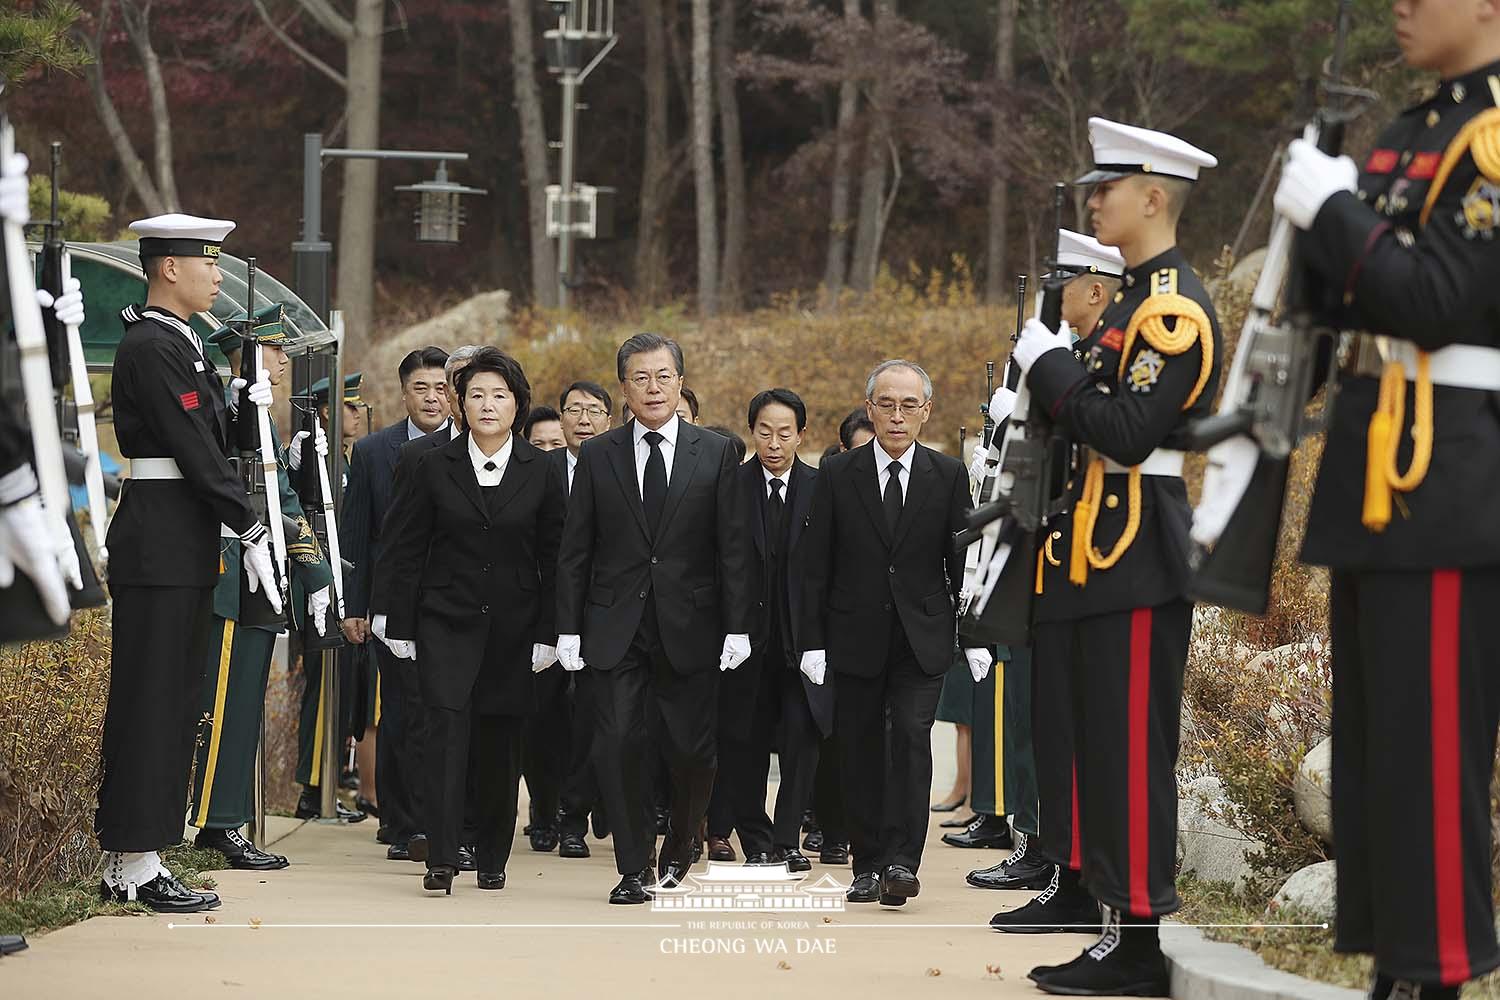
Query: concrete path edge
x,y
1215,970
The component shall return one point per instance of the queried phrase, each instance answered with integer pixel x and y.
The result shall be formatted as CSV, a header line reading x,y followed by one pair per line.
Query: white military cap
x,y
1121,150
179,235
1081,254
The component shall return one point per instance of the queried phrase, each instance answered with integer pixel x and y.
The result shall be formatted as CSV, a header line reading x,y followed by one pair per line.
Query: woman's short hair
x,y
492,359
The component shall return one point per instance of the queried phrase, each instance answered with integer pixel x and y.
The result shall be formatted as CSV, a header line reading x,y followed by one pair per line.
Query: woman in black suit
x,y
473,562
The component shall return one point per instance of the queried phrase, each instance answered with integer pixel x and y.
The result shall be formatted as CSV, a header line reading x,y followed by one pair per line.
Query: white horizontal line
x,y
445,927
827,926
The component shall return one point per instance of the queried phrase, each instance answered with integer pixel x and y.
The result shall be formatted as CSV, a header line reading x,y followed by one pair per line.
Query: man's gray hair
x,y
886,366
460,358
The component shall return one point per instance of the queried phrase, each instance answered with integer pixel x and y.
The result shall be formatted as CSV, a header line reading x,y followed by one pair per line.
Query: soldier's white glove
x,y
815,664
570,652
978,465
1309,178
260,572
1036,340
1002,403
28,542
260,392
15,190
403,649
317,608
1231,465
294,450
542,656
68,305
980,662
736,651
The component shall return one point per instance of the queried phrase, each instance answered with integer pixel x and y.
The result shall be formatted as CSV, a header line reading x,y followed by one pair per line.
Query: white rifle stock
x,y
88,432
270,477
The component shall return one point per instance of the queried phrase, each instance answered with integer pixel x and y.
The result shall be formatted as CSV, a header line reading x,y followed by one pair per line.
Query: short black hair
x,y
643,342
736,443
492,359
785,397
591,388
151,268
539,415
831,451
692,401
422,357
857,420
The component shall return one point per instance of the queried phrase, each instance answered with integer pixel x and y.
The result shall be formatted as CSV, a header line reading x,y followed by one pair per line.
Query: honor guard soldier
x,y
239,655
173,425
1113,573
1409,249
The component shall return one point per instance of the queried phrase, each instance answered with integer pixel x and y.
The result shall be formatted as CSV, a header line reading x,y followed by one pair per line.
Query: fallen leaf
x,y
992,970
210,920
782,964
934,972
827,920
255,921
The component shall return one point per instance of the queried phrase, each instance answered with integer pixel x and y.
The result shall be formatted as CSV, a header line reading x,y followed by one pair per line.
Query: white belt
x,y
1460,366
1161,462
154,468
225,531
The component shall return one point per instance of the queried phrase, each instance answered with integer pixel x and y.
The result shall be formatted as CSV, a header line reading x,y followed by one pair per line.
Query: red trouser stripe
x,y
1137,734
1075,850
1447,785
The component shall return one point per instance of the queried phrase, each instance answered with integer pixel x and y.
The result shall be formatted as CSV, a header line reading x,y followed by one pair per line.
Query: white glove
x,y
317,608
542,656
28,542
403,649
377,627
294,450
1231,464
15,191
979,462
260,572
235,385
1309,178
980,661
570,652
1002,403
260,392
815,664
68,305
736,651
1037,340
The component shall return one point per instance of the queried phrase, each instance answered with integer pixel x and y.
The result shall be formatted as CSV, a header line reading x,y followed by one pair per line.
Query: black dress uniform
x,y
1401,516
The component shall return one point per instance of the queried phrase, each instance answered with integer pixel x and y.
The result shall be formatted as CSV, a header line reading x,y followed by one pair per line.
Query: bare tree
x,y
836,269
736,222
533,153
706,199
995,281
651,234
879,151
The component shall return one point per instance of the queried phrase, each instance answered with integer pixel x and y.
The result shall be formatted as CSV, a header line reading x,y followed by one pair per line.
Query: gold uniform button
x,y
1459,93
1119,297
1111,501
1433,118
1056,535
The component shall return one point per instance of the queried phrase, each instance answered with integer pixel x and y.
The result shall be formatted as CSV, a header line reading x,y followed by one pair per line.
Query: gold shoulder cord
x,y
1383,479
1150,321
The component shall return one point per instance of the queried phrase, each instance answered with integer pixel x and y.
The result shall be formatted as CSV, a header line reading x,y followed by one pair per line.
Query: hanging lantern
x,y
440,213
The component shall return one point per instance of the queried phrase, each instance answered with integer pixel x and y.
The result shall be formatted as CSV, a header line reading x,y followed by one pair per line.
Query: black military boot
x,y
1126,961
985,831
239,852
1064,907
1385,987
1024,869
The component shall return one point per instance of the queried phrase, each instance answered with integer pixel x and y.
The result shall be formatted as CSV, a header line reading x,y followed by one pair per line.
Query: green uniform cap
x,y
351,389
270,328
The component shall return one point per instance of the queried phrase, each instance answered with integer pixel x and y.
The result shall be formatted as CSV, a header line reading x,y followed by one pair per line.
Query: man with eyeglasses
x,y
652,596
880,591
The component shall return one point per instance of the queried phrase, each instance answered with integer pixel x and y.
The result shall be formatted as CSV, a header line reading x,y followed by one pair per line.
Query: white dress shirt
x,y
883,463
772,477
413,431
572,468
501,458
668,449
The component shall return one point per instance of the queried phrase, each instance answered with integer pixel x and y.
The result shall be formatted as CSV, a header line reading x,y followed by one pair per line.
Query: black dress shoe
x,y
543,839
344,814
1383,987
1125,961
958,824
239,852
834,854
164,894
367,807
12,943
720,849
809,821
440,879
865,889
1064,907
813,841
571,845
794,859
671,873
886,899
629,892
900,880
663,822
416,847
398,852
310,806
986,831
1024,869
759,858
466,862
382,835
490,880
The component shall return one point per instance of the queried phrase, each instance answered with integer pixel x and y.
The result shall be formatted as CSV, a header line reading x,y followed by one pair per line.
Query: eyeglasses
x,y
576,410
663,379
908,407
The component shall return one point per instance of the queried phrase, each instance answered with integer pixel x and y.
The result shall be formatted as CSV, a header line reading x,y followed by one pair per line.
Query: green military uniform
x,y
1002,767
239,665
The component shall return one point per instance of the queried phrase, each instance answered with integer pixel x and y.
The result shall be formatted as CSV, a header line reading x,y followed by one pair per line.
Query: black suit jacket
x,y
741,687
406,461
559,458
372,466
696,568
859,576
473,580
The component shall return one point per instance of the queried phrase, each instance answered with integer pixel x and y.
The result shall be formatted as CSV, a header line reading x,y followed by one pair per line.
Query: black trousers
x,y
399,751
1125,676
548,746
623,757
887,772
828,794
1416,702
159,650
456,740
1052,742
580,790
747,763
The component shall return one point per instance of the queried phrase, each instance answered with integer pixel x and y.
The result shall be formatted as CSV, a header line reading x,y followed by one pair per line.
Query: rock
x,y
1206,846
480,319
1246,270
1298,656
1308,894
1312,791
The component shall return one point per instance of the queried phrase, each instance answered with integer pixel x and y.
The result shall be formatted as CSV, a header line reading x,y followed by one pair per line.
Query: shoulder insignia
x,y
1164,282
1190,325
1479,212
1479,138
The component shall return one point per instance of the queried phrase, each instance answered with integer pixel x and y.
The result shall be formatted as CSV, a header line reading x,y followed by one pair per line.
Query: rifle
x,y
313,487
258,471
1018,497
1238,521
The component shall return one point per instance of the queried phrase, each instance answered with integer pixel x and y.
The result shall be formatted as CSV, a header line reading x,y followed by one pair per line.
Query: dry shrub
x,y
52,699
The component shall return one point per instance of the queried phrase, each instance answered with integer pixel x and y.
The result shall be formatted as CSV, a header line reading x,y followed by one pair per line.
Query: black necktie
x,y
775,509
654,486
893,498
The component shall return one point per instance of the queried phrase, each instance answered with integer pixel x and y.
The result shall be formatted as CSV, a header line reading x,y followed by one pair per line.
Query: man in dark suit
x,y
372,465
882,577
768,689
651,594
